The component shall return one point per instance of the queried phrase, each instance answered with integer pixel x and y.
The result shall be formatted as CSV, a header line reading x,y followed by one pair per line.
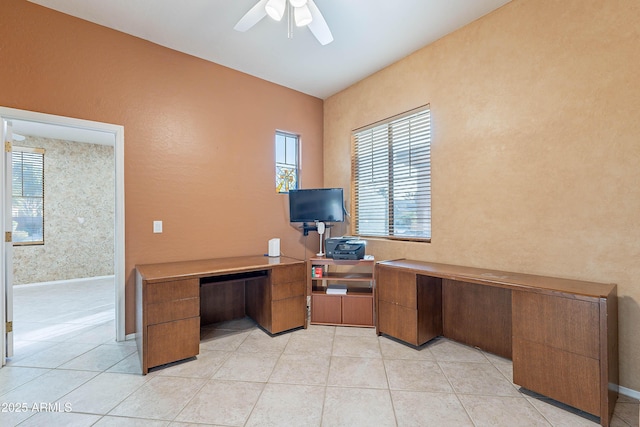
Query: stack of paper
x,y
337,290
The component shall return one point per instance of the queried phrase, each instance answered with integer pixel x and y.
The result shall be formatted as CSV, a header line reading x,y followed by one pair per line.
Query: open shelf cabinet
x,y
355,307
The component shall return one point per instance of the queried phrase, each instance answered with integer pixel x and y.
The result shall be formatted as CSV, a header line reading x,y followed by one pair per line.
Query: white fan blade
x,y
251,18
319,26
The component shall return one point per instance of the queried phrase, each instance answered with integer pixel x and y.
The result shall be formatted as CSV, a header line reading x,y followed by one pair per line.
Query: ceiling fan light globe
x,y
275,9
302,16
298,3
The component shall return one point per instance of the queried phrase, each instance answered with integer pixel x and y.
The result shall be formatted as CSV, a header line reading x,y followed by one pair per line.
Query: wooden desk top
x,y
527,282
210,267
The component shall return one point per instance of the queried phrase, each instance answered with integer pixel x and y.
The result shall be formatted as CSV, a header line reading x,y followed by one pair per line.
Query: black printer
x,y
345,247
331,243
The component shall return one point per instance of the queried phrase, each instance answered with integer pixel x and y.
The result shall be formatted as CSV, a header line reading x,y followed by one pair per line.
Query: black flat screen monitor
x,y
317,204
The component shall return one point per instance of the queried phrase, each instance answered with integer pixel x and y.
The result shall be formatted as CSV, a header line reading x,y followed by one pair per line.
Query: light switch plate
x,y
157,226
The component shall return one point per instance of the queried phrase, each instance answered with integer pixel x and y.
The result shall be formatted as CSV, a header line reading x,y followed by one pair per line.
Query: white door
x,y
6,287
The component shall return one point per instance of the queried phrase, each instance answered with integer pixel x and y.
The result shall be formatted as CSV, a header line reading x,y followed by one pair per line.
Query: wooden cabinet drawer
x,y
171,341
396,286
288,289
535,318
172,290
288,313
398,321
172,310
538,368
293,273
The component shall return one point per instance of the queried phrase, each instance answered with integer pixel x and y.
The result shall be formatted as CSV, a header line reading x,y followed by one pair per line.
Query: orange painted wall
x,y
199,137
536,145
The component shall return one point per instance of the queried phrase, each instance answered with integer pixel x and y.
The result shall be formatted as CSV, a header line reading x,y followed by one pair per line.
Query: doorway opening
x,y
22,122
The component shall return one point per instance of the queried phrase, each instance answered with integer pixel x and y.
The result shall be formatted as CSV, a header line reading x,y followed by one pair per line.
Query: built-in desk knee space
x,y
561,334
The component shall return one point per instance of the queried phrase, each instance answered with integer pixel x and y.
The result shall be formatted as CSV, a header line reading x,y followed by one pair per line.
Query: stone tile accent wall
x,y
79,214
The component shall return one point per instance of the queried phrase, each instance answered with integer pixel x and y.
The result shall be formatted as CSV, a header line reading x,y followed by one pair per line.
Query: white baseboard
x,y
629,392
87,280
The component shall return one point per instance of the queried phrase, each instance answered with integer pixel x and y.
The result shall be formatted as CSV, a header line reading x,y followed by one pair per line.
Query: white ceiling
x,y
368,34
66,133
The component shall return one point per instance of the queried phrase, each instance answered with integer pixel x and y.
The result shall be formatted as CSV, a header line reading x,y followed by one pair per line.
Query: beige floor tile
x,y
616,421
392,349
160,398
282,405
48,387
222,402
55,356
63,301
357,407
350,331
34,330
420,409
14,417
256,367
478,378
357,372
495,359
129,342
628,411
15,376
506,368
562,415
128,365
310,343
101,334
203,365
450,351
503,365
67,419
222,339
259,341
109,421
23,349
626,399
96,315
178,424
99,358
301,369
491,411
320,329
417,375
356,346
102,393
54,332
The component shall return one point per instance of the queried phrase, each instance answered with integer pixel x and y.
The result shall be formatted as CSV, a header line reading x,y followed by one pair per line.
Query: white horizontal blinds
x,y
28,195
371,181
392,177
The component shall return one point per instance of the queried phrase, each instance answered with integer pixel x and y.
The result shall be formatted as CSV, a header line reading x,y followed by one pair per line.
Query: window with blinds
x,y
28,196
391,177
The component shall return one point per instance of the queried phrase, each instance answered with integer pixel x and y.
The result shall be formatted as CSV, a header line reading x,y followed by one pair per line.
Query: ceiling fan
x,y
302,12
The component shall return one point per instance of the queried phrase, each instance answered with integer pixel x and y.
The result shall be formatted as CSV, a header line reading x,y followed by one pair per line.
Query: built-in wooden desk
x,y
561,334
173,299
